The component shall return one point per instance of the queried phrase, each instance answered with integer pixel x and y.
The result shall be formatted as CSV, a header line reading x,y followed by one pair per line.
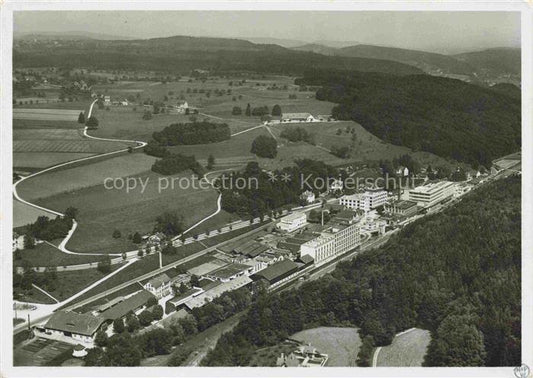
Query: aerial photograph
x,y
281,189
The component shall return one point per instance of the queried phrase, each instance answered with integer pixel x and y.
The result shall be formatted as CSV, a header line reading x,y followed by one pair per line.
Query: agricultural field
x,y
40,352
80,105
40,160
47,114
405,350
340,344
24,214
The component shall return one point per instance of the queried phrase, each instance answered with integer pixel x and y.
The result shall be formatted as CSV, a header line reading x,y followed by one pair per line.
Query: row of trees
x,y
297,134
455,273
192,133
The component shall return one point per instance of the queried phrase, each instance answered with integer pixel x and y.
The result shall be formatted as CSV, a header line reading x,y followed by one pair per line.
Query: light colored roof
x,y
229,271
130,304
292,217
217,291
432,187
295,115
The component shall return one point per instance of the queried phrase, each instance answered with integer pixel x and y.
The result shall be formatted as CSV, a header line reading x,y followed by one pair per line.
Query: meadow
x,y
47,114
102,210
45,254
24,214
405,350
340,344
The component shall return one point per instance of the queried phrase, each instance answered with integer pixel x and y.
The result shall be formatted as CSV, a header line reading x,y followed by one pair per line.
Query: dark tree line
x,y
264,196
265,146
192,133
447,117
297,134
455,273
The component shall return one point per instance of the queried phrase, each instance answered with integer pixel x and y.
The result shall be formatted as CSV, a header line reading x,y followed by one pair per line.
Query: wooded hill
x,y
447,117
456,273
181,54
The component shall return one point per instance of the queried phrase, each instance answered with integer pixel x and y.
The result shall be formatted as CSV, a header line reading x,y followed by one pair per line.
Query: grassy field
x,y
74,105
66,180
36,124
340,344
72,282
40,352
406,350
45,254
33,296
24,214
101,211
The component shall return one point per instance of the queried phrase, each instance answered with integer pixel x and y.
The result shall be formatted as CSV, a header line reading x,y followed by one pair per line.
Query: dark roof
x,y
109,304
251,248
306,259
277,271
229,271
208,284
159,280
130,304
69,321
405,204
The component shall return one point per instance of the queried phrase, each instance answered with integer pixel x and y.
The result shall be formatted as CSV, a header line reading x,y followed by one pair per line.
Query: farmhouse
x,y
297,117
159,286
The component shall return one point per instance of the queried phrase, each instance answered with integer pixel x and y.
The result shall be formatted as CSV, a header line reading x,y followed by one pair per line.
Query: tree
x,y
147,115
104,266
92,122
130,149
145,318
210,161
248,111
71,212
169,223
116,234
157,312
81,118
137,238
276,110
458,342
29,242
118,325
151,302
237,110
195,280
264,146
132,322
101,338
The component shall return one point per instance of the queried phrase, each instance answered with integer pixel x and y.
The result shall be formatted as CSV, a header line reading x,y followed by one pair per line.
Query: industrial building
x,y
432,194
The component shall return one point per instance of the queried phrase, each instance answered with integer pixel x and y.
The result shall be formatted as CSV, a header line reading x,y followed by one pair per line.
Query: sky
x,y
444,32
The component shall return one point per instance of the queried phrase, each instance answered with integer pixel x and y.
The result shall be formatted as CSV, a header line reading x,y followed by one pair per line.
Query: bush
x,y
265,146
116,234
145,318
104,266
92,123
237,110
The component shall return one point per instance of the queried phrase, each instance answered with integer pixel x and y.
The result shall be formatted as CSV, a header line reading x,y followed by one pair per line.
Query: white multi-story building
x,y
366,201
334,241
431,194
292,222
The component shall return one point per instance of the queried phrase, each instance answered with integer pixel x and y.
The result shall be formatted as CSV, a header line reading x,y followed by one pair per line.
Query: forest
x,y
456,273
192,133
447,117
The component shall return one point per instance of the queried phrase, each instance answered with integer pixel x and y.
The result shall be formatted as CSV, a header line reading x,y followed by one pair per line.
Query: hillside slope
x,y
447,117
497,60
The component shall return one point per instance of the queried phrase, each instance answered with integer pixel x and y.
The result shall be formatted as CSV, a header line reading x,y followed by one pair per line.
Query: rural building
x,y
402,171
292,222
297,117
107,100
308,196
432,194
179,300
159,286
370,199
336,185
402,208
71,327
18,241
277,273
303,356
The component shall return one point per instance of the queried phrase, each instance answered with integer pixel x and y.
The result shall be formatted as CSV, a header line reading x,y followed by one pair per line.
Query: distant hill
x,y
73,35
497,60
447,117
287,43
424,60
181,54
317,48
